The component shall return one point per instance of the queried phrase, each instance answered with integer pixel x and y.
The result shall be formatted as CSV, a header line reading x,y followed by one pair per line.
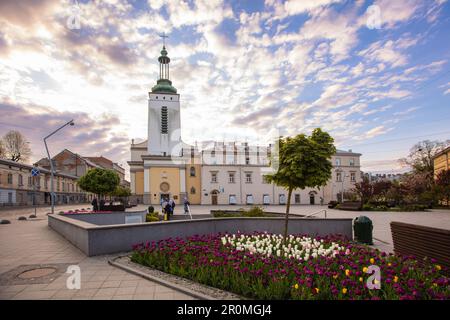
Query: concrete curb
x,y
177,287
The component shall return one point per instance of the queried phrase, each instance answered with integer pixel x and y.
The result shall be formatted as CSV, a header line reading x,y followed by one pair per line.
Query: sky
x,y
375,74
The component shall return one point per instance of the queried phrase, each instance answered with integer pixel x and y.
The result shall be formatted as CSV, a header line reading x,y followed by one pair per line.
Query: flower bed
x,y
260,266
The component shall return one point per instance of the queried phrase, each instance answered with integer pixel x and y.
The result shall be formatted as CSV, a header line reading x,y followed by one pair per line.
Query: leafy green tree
x,y
303,161
99,181
121,192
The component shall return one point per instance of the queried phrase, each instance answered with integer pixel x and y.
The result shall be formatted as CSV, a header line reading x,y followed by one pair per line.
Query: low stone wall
x,y
106,239
105,219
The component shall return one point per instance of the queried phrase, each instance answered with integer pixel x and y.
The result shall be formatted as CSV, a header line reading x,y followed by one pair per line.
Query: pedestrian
x,y
102,204
321,201
172,205
94,204
186,206
168,209
163,205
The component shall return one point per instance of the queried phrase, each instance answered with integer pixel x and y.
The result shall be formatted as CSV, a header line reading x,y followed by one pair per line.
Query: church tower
x,y
164,134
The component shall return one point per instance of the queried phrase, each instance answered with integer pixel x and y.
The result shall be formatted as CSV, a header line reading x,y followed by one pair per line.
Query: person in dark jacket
x,y
186,206
94,204
168,209
102,204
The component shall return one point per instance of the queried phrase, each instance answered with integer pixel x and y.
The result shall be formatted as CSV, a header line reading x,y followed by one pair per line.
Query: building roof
x,y
440,153
29,166
99,160
340,152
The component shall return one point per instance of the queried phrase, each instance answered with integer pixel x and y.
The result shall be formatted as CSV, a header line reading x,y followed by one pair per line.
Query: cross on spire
x,y
164,36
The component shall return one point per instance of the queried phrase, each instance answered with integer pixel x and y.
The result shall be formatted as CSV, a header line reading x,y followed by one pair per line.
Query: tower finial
x,y
164,36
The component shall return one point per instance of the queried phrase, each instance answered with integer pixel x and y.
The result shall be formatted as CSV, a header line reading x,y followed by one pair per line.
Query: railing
x,y
313,214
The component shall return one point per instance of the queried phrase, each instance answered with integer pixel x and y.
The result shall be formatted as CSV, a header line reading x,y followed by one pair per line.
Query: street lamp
x,y
52,190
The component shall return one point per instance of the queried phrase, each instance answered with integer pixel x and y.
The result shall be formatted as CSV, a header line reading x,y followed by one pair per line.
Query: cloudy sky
x,y
374,73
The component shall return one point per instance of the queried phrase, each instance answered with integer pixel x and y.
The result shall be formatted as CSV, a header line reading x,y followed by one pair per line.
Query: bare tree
x,y
16,147
2,150
420,157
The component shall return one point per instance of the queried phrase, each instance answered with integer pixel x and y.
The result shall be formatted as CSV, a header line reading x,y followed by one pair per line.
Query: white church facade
x,y
216,173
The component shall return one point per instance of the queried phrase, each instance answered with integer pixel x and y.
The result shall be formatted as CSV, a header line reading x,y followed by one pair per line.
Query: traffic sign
x,y
35,172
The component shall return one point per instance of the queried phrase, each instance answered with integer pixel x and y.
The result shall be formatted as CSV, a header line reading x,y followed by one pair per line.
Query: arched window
x,y
164,120
192,171
192,190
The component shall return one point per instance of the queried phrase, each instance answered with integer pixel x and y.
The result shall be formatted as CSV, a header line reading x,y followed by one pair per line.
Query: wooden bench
x,y
350,205
421,241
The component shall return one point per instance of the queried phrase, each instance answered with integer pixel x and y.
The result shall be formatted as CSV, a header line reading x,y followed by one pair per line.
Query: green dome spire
x,y
164,84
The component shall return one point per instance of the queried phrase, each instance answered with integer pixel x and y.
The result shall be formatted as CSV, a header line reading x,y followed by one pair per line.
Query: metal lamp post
x,y
52,190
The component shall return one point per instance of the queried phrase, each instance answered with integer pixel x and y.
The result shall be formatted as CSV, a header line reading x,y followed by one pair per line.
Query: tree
x,y
121,192
380,189
364,190
302,161
16,147
443,186
420,157
99,181
417,187
2,150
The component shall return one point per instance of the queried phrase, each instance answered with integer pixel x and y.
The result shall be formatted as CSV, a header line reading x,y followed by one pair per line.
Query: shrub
x,y
223,214
151,209
367,207
254,212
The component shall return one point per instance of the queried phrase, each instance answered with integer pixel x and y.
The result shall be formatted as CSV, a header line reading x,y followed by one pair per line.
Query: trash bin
x,y
363,227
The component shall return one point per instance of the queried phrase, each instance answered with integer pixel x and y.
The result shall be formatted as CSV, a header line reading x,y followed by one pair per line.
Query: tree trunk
x,y
286,220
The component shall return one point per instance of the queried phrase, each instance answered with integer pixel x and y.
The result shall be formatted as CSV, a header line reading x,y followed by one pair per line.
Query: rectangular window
x,y
30,181
248,177
20,180
10,197
338,177
338,161
10,178
231,177
213,177
249,199
266,199
232,199
352,176
352,162
297,198
164,120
